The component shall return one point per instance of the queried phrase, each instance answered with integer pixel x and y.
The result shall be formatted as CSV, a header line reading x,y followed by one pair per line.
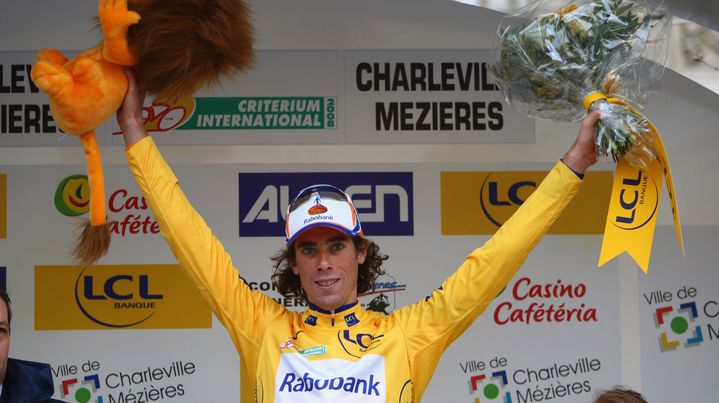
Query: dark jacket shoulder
x,y
27,382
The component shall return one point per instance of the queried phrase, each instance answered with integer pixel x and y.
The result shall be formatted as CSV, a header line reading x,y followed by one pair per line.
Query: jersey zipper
x,y
332,315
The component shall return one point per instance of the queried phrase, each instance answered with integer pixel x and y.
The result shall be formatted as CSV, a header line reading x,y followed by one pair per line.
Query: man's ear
x,y
292,259
362,251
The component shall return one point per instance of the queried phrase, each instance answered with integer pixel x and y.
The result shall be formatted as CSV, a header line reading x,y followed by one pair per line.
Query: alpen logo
x,y
678,326
490,387
383,200
81,390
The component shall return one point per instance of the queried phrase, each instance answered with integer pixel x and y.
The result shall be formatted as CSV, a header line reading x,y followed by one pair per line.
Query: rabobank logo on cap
x,y
384,200
318,207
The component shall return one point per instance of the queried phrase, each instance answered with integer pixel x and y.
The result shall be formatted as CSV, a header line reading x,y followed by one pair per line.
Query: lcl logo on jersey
x,y
356,344
384,200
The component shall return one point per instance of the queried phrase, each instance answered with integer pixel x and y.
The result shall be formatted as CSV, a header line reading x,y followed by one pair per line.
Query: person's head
x,y
5,317
620,395
327,260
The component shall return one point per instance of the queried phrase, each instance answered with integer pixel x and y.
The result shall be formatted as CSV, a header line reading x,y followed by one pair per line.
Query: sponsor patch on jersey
x,y
287,344
313,351
351,319
311,320
303,381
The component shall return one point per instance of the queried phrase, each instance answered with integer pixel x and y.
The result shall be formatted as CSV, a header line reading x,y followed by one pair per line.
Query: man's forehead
x,y
321,235
3,311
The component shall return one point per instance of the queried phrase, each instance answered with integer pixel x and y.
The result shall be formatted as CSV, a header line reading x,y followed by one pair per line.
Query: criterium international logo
x,y
117,297
490,387
72,197
238,113
81,390
678,326
164,115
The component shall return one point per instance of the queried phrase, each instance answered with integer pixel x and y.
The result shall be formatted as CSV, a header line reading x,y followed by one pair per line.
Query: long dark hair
x,y
289,285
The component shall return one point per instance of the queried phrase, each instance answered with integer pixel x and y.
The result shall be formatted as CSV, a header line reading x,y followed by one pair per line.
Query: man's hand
x,y
129,116
583,153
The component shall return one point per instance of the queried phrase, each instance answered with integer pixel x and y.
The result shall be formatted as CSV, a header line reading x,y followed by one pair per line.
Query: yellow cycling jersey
x,y
350,355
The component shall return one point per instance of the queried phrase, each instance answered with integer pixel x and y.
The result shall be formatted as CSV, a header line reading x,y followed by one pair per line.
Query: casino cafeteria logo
x,y
490,388
81,390
3,206
680,324
555,303
72,197
130,214
117,297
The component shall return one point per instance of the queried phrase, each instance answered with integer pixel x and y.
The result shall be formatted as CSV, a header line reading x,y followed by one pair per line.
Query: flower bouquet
x,y
557,65
600,54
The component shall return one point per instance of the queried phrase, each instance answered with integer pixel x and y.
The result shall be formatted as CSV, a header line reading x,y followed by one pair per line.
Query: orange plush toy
x,y
175,47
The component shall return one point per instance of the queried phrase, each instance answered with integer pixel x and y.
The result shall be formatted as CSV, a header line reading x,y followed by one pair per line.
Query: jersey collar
x,y
345,316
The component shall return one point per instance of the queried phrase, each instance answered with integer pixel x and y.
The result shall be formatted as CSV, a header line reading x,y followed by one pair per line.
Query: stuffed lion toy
x,y
175,47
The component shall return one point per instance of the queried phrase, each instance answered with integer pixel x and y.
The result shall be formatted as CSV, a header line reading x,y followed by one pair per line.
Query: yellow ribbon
x,y
634,203
567,9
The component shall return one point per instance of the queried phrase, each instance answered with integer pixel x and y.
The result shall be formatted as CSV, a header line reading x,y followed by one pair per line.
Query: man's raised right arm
x,y
245,313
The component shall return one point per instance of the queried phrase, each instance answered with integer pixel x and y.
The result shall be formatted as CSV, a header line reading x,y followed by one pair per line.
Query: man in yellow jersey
x,y
335,351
